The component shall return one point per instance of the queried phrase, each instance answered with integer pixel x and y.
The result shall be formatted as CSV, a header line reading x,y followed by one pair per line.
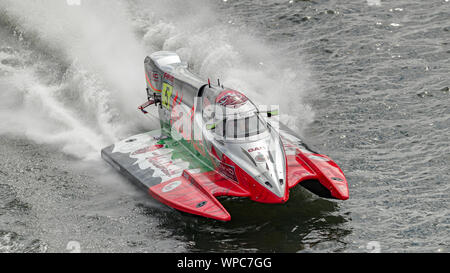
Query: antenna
x,y
218,82
209,83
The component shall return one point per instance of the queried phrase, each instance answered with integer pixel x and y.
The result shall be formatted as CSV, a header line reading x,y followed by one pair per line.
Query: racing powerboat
x,y
214,141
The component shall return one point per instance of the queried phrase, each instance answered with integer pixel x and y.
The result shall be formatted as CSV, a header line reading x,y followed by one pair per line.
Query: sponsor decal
x,y
147,149
251,150
227,170
201,204
150,83
166,95
260,158
155,77
231,98
150,152
171,186
168,77
166,165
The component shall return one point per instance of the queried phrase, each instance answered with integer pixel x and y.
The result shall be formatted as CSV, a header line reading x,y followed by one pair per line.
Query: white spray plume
x,y
95,102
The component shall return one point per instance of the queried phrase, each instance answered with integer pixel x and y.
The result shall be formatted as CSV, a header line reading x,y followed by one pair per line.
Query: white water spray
x,y
101,46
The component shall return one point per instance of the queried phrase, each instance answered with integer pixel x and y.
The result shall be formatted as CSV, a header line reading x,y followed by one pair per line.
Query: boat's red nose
x,y
340,190
259,192
328,174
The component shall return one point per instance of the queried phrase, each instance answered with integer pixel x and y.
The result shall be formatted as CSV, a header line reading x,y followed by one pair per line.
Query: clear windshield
x,y
240,128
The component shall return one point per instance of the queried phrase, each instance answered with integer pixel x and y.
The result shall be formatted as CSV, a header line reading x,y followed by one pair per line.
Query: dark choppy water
x,y
367,82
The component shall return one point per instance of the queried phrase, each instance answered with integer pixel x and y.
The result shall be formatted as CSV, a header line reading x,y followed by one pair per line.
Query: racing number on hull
x,y
166,95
